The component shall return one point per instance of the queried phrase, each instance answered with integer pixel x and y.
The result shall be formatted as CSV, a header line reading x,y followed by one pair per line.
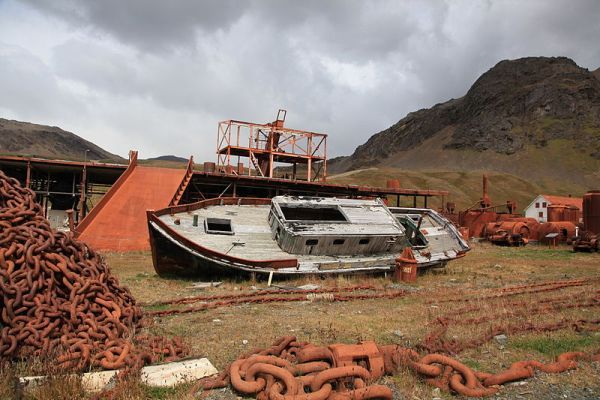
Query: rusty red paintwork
x,y
559,212
187,178
263,145
591,211
564,229
118,222
406,266
508,233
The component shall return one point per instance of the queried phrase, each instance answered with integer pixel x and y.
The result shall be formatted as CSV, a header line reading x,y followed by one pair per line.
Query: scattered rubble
x,y
204,285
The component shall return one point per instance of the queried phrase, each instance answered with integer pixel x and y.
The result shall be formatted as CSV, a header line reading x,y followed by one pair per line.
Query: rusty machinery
x,y
588,238
507,228
508,233
477,217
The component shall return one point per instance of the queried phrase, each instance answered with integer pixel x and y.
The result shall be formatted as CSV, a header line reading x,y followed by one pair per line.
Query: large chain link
x,y
293,370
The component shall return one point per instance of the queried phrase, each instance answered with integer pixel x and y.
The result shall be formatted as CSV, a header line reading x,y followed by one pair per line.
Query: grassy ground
x,y
222,334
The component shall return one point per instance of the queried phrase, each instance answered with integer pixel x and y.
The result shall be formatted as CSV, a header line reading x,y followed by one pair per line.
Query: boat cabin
x,y
332,226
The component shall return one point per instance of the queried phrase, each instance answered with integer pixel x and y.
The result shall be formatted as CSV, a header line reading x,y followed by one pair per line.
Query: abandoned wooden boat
x,y
296,235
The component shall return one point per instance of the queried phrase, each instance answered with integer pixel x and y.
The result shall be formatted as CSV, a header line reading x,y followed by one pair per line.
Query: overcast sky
x,y
157,76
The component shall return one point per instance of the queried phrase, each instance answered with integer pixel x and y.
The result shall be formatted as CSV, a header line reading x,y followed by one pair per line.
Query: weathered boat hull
x,y
173,257
176,255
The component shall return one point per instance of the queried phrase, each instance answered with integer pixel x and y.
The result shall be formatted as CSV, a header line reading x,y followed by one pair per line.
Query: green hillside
x,y
464,187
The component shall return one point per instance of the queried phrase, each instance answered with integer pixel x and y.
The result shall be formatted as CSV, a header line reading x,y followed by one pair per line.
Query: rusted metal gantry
x,y
63,185
247,148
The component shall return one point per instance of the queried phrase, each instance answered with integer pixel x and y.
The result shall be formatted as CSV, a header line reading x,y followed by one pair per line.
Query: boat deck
x,y
252,239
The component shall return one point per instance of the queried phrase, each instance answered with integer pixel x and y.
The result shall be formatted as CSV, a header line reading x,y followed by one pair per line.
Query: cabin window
x,y
219,226
312,242
363,241
321,214
338,242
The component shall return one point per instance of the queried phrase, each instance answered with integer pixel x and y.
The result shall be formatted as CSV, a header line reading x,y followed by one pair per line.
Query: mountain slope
x,y
27,139
536,117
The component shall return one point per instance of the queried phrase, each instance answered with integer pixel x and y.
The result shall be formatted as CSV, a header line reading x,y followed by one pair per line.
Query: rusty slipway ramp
x,y
118,222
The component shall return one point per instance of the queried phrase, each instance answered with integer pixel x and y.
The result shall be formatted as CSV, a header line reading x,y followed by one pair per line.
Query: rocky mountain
x,y
27,139
535,117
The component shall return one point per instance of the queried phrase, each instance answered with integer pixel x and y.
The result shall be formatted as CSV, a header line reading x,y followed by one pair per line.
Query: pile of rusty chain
x,y
58,298
294,370
330,295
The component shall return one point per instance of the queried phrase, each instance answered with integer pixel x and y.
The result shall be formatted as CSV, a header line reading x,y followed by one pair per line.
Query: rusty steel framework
x,y
257,148
63,185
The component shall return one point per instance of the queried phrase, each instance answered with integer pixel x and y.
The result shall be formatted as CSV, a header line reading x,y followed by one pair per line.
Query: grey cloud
x,y
349,68
28,85
152,26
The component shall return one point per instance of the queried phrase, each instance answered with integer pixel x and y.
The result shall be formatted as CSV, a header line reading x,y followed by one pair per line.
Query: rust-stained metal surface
x,y
564,230
297,370
406,266
210,184
586,241
59,299
559,212
508,233
61,185
591,211
187,178
117,223
481,214
249,244
254,149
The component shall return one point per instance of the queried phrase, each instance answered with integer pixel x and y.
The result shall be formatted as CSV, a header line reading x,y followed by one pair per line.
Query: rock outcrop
x,y
517,103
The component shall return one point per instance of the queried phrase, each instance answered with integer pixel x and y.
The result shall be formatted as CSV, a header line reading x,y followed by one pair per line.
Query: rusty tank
x,y
560,212
531,223
476,221
508,233
591,211
566,230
